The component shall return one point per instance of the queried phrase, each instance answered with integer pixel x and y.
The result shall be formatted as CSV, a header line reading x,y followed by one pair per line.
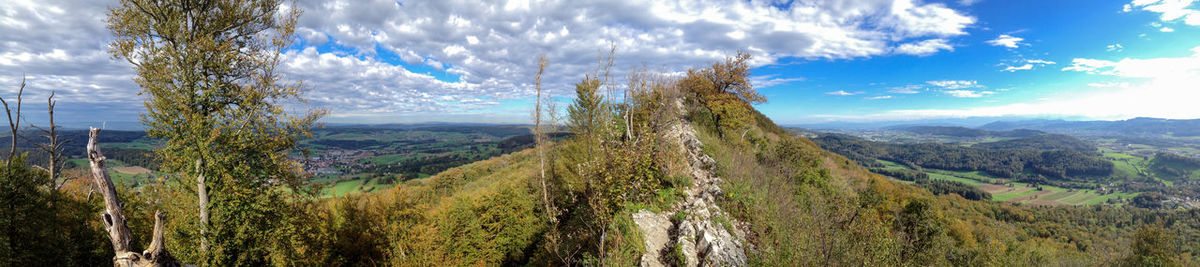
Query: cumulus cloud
x,y
1166,29
497,43
1016,68
62,46
879,97
842,93
967,93
768,81
1169,10
1029,64
1006,40
488,50
1156,68
959,88
907,89
924,48
954,84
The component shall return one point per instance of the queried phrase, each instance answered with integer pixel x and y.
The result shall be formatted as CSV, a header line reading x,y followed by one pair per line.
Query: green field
x,y
891,165
353,187
1015,192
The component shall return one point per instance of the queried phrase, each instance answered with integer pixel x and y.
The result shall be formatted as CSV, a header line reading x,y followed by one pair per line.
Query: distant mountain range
x,y
1135,126
965,132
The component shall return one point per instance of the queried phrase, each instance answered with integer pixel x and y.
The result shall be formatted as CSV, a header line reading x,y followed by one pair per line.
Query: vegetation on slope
x,y
1031,166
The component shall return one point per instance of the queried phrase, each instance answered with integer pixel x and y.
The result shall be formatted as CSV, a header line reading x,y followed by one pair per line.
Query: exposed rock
x,y
656,233
702,240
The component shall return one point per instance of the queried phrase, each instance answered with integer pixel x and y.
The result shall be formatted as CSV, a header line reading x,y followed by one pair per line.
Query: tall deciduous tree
x,y
207,69
725,90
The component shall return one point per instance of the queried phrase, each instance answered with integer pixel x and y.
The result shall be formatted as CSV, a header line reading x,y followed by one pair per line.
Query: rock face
x,y
656,233
706,236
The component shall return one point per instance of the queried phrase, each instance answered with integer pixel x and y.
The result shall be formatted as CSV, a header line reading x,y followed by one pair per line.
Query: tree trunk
x,y
114,218
538,137
202,194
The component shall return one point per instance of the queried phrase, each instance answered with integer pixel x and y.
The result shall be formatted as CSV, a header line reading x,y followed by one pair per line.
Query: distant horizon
x,y
971,122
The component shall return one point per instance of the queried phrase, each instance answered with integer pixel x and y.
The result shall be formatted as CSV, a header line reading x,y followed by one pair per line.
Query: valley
x,y
1133,162
346,159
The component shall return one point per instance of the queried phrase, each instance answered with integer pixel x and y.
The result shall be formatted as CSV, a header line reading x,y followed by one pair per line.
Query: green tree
x,y
1152,246
585,114
724,89
208,71
921,230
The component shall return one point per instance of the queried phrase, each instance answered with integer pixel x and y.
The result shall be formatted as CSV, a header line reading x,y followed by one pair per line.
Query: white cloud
x,y
842,93
1029,65
1040,62
968,93
954,84
1156,68
1022,67
1169,10
968,2
1006,40
1109,84
924,48
907,89
879,97
1115,48
767,81
1166,29
489,47
62,46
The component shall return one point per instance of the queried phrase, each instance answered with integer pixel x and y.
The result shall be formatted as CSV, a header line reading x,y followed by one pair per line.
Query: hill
x,y
958,131
1042,142
682,173
794,203
1135,127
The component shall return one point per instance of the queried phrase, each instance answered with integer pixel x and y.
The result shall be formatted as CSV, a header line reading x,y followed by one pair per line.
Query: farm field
x,y
347,159
1014,192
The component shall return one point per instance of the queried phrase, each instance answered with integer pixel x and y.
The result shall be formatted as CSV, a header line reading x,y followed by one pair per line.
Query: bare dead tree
x,y
54,147
539,137
114,219
14,124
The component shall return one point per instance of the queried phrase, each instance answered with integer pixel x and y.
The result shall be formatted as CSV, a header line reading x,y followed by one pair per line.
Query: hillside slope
x,y
687,173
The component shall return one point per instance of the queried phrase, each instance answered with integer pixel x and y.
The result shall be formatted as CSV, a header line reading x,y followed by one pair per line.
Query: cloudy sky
x,y
816,61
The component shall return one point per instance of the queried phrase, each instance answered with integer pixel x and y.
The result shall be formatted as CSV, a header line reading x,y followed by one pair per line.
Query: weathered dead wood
x,y
54,147
114,218
14,123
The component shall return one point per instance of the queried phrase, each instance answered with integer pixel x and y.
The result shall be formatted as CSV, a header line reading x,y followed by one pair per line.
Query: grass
x,y
363,185
943,176
1022,193
1016,193
891,165
392,158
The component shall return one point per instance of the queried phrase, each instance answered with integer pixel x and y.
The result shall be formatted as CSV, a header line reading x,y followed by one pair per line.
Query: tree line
x,y
1021,164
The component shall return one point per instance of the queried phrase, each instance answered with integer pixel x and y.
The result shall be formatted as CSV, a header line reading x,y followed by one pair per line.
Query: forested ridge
x,y
1016,159
661,144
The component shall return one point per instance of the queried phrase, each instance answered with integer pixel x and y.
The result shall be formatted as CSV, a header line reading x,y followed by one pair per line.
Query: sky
x,y
815,61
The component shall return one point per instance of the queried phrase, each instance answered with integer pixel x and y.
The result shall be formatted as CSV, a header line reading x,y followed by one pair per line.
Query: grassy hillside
x,y
797,203
842,214
570,202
